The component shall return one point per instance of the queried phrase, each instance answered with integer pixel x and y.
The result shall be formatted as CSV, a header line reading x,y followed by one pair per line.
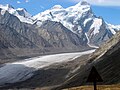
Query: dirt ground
x,y
99,87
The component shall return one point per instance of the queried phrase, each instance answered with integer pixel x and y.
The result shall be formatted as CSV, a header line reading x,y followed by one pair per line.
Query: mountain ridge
x,y
58,29
35,40
80,19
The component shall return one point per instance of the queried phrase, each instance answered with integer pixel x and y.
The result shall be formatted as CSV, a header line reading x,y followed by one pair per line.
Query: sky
x,y
108,9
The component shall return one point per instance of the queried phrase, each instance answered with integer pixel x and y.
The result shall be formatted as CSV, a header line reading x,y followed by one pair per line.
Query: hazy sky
x,y
108,9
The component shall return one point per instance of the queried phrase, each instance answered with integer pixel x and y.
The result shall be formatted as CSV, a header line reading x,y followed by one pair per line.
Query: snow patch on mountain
x,y
3,12
21,13
57,7
113,28
96,25
67,16
6,7
92,46
86,20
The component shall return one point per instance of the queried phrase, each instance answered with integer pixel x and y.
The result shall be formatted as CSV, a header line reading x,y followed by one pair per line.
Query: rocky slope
x,y
105,59
86,28
26,40
75,72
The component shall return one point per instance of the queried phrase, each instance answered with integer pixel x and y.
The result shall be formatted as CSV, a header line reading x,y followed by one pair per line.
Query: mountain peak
x,y
21,9
6,7
9,6
82,3
23,12
57,7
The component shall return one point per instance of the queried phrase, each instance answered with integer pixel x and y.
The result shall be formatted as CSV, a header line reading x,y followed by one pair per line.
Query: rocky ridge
x,y
76,29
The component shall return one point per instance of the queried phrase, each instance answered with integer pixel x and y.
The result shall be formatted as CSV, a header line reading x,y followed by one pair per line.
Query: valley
x,y
16,72
56,49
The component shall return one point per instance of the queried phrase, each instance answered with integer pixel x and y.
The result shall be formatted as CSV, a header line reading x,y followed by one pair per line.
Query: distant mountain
x,y
26,40
21,13
56,30
80,20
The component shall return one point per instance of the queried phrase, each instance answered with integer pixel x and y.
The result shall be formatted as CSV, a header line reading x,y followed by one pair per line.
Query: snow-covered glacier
x,y
23,70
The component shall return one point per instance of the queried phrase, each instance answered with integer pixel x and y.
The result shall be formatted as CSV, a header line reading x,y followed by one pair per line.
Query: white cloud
x,y
18,2
101,2
42,7
26,1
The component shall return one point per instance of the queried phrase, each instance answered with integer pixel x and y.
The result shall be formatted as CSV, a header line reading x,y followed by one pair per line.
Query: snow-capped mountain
x,y
21,13
55,30
80,20
67,16
19,39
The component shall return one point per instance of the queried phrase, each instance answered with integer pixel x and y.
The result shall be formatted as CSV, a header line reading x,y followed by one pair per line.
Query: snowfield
x,y
23,70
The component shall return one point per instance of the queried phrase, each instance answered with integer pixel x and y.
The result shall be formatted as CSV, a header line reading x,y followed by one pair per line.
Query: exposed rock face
x,y
56,30
75,73
106,60
90,30
59,36
51,37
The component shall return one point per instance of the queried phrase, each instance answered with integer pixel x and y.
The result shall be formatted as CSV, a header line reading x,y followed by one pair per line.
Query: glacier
x,y
23,70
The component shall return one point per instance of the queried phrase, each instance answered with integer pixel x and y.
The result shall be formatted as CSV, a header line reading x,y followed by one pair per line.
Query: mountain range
x,y
55,30
56,48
